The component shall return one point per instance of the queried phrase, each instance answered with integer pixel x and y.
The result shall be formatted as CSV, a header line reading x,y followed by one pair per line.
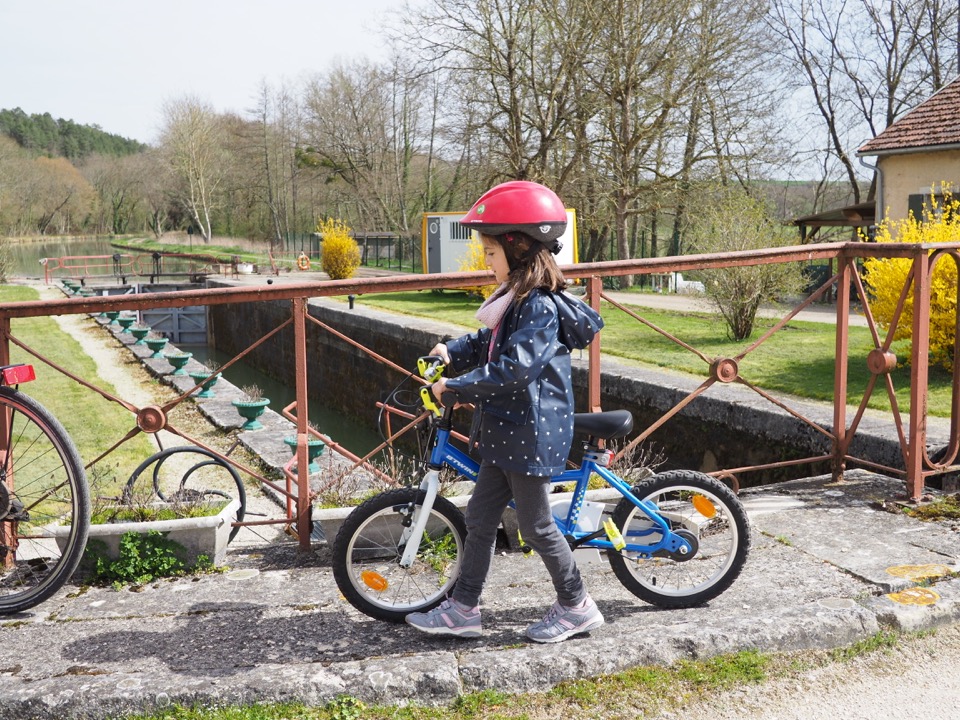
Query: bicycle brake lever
x,y
430,367
426,397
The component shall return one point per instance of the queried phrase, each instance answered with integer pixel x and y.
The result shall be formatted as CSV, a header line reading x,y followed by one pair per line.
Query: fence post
x,y
8,533
839,462
303,463
919,360
594,288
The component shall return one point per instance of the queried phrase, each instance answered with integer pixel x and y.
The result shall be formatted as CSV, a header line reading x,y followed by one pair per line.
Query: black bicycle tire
x,y
80,495
157,459
683,479
355,522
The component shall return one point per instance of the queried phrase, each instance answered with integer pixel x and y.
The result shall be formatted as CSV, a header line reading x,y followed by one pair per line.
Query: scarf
x,y
495,307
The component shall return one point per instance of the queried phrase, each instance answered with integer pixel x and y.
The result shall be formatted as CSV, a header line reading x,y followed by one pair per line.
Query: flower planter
x,y
178,360
125,323
156,345
140,333
198,535
113,315
315,448
209,380
250,410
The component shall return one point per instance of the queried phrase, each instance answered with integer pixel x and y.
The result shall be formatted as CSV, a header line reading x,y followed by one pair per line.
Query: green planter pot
x,y
315,448
113,315
140,333
156,345
209,380
125,323
250,410
178,360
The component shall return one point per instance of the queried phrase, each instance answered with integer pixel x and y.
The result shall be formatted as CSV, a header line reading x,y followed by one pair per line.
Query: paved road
x,y
815,312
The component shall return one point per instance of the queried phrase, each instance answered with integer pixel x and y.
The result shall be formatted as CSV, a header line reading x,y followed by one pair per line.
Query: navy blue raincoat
x,y
524,391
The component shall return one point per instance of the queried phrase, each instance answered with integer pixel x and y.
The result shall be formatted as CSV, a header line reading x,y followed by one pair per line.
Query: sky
x,y
114,63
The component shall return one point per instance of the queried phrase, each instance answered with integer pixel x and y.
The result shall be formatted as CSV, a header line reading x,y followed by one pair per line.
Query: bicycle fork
x,y
430,486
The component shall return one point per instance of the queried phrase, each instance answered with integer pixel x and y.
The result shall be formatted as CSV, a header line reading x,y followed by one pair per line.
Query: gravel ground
x,y
917,678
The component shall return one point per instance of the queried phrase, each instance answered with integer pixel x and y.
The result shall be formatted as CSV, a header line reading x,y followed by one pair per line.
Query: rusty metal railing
x,y
917,465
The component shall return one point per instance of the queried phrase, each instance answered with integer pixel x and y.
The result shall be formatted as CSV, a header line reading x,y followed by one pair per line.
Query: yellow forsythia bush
x,y
472,260
340,254
940,223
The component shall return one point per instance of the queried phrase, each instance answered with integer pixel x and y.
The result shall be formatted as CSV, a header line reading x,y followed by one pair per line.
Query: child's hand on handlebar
x,y
438,388
440,350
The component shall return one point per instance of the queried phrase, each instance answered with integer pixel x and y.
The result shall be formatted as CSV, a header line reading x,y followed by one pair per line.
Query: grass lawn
x,y
93,422
798,360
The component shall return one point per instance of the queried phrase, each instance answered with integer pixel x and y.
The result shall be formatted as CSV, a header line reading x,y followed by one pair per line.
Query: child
x,y
521,384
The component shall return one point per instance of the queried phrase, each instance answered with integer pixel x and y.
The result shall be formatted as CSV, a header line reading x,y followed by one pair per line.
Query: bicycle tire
x,y
721,531
181,491
49,489
367,552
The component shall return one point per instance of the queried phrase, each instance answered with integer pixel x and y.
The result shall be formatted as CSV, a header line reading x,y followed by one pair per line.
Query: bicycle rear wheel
x,y
704,510
44,503
368,548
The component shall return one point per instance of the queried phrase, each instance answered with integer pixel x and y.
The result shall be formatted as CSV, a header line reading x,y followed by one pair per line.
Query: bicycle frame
x,y
443,453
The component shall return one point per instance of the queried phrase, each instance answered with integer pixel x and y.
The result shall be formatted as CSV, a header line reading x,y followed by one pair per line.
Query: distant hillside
x,y
44,135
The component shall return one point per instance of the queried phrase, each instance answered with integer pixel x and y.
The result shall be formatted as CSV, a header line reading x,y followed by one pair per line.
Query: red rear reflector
x,y
16,374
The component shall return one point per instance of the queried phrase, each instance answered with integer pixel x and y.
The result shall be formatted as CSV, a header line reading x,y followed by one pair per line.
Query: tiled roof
x,y
934,122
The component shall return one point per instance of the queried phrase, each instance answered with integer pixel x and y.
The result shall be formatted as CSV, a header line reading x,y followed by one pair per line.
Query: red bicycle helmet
x,y
520,206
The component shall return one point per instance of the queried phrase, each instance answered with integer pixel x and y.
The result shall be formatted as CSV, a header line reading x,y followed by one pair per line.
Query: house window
x,y
917,202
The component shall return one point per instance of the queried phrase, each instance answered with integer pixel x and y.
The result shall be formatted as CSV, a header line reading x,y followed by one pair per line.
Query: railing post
x,y
8,533
303,463
594,288
839,462
919,361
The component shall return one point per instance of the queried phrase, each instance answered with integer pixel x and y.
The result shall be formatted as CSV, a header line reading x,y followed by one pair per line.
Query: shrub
x,y
474,259
729,220
885,277
340,255
143,559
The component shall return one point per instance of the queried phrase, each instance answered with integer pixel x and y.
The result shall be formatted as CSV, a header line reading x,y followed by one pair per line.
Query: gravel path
x,y
918,678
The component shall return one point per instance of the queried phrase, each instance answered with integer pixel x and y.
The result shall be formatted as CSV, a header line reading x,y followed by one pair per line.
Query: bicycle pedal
x,y
524,548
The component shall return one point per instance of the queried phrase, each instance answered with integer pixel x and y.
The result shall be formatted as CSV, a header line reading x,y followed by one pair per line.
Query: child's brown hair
x,y
531,264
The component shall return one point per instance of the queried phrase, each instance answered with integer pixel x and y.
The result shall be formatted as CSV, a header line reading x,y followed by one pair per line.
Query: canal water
x,y
358,437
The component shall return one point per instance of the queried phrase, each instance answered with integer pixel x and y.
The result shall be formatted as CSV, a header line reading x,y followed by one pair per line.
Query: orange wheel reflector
x,y
374,580
704,506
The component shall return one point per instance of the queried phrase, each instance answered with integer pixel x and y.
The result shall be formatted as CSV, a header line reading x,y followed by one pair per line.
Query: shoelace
x,y
552,614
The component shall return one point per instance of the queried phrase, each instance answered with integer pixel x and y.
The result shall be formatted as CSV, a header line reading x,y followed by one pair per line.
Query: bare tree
x,y
193,147
364,127
512,65
863,64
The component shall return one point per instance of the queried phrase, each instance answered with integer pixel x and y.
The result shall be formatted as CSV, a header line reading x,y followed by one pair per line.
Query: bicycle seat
x,y
607,425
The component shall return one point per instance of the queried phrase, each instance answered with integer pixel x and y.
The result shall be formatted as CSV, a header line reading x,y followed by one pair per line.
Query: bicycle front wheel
x,y
369,545
44,503
703,510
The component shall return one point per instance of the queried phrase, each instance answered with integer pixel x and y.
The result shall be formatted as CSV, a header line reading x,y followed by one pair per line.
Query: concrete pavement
x,y
829,566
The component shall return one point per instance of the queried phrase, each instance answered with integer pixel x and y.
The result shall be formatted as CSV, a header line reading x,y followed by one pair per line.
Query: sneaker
x,y
562,622
448,618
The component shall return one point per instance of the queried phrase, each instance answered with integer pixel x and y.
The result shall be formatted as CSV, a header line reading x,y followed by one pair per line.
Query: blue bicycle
x,y
676,539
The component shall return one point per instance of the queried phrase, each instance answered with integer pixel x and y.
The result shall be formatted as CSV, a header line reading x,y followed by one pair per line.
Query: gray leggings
x,y
493,492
